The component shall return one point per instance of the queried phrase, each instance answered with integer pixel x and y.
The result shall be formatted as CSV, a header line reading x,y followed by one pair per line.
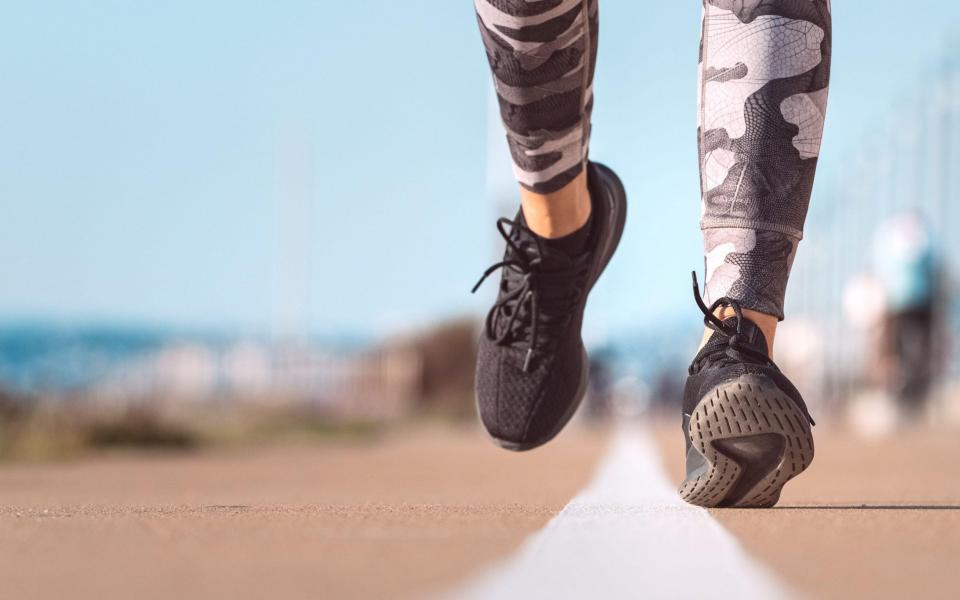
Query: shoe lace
x,y
737,350
535,304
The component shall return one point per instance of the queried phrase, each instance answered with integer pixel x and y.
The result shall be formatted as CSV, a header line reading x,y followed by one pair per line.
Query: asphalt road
x,y
432,510
396,517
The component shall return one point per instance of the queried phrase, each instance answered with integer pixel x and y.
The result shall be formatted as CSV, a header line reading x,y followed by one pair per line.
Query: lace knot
x,y
532,299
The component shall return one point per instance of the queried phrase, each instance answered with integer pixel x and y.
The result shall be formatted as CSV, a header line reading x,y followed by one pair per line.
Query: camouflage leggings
x,y
764,70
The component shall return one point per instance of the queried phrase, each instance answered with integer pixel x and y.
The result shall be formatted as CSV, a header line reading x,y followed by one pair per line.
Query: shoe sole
x,y
618,218
754,440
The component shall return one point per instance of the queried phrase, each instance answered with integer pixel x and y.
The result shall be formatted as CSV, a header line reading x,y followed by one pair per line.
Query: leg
x,y
764,67
542,55
764,70
532,369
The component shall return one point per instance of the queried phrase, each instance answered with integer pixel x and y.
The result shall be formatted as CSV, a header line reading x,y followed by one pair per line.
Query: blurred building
x,y
381,382
430,370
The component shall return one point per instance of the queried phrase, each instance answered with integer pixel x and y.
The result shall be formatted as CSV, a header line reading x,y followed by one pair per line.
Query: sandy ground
x,y
421,510
413,512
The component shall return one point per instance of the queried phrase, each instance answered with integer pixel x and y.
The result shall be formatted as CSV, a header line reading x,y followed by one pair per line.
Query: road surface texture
x,y
380,519
869,519
441,511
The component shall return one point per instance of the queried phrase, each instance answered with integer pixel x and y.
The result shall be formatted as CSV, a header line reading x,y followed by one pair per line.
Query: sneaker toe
x,y
525,409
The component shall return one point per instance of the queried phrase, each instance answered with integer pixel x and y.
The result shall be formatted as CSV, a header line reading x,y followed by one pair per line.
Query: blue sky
x,y
161,163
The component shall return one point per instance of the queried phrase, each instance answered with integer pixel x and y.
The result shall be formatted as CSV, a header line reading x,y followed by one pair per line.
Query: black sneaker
x,y
532,368
746,427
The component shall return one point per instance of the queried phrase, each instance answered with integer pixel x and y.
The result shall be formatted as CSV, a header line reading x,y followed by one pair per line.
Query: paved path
x,y
628,535
429,510
393,517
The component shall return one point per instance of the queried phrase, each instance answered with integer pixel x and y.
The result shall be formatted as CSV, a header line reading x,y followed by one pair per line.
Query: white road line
x,y
628,535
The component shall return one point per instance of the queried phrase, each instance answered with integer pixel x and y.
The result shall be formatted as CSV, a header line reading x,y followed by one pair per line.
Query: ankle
x,y
766,323
559,213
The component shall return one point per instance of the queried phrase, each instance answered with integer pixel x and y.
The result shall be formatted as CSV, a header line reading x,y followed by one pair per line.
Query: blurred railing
x,y
905,164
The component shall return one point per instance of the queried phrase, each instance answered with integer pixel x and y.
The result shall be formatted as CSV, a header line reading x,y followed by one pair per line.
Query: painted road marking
x,y
628,535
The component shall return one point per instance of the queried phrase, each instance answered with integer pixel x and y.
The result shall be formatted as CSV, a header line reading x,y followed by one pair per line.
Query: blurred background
x,y
223,222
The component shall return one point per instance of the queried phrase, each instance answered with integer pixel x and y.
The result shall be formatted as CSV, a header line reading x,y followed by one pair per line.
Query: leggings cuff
x,y
750,224
750,266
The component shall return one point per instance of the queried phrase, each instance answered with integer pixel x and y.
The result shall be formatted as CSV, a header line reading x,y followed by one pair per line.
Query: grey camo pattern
x,y
764,74
543,54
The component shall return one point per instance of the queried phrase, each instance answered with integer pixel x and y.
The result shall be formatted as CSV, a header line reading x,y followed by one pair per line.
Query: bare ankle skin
x,y
559,213
766,323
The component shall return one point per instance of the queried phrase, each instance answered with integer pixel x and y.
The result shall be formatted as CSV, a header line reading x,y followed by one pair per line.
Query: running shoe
x,y
532,369
746,427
